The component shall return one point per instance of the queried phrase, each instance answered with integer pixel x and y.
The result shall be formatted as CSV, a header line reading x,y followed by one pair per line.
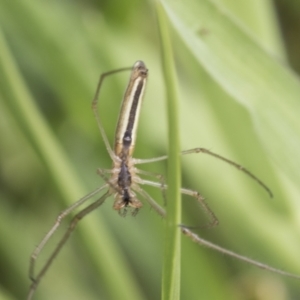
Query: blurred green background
x,y
52,53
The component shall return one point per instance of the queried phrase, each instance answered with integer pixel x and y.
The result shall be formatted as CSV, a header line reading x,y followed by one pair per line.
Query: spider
x,y
123,180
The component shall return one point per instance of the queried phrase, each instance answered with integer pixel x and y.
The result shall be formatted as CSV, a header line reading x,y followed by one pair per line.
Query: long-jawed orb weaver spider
x,y
123,180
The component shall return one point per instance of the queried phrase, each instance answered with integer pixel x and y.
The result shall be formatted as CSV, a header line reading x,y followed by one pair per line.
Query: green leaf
x,y
267,88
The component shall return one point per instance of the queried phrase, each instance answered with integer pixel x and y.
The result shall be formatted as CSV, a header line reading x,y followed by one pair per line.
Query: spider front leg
x,y
215,155
232,163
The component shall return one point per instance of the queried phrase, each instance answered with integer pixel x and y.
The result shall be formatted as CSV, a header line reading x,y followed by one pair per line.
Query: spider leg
x,y
61,216
150,200
194,194
200,199
232,163
95,109
149,160
197,239
159,177
215,155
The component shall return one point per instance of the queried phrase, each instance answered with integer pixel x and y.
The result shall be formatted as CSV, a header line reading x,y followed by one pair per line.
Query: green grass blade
x,y
232,64
172,251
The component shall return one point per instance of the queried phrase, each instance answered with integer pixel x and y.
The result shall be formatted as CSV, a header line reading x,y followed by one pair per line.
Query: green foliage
x,y
238,97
